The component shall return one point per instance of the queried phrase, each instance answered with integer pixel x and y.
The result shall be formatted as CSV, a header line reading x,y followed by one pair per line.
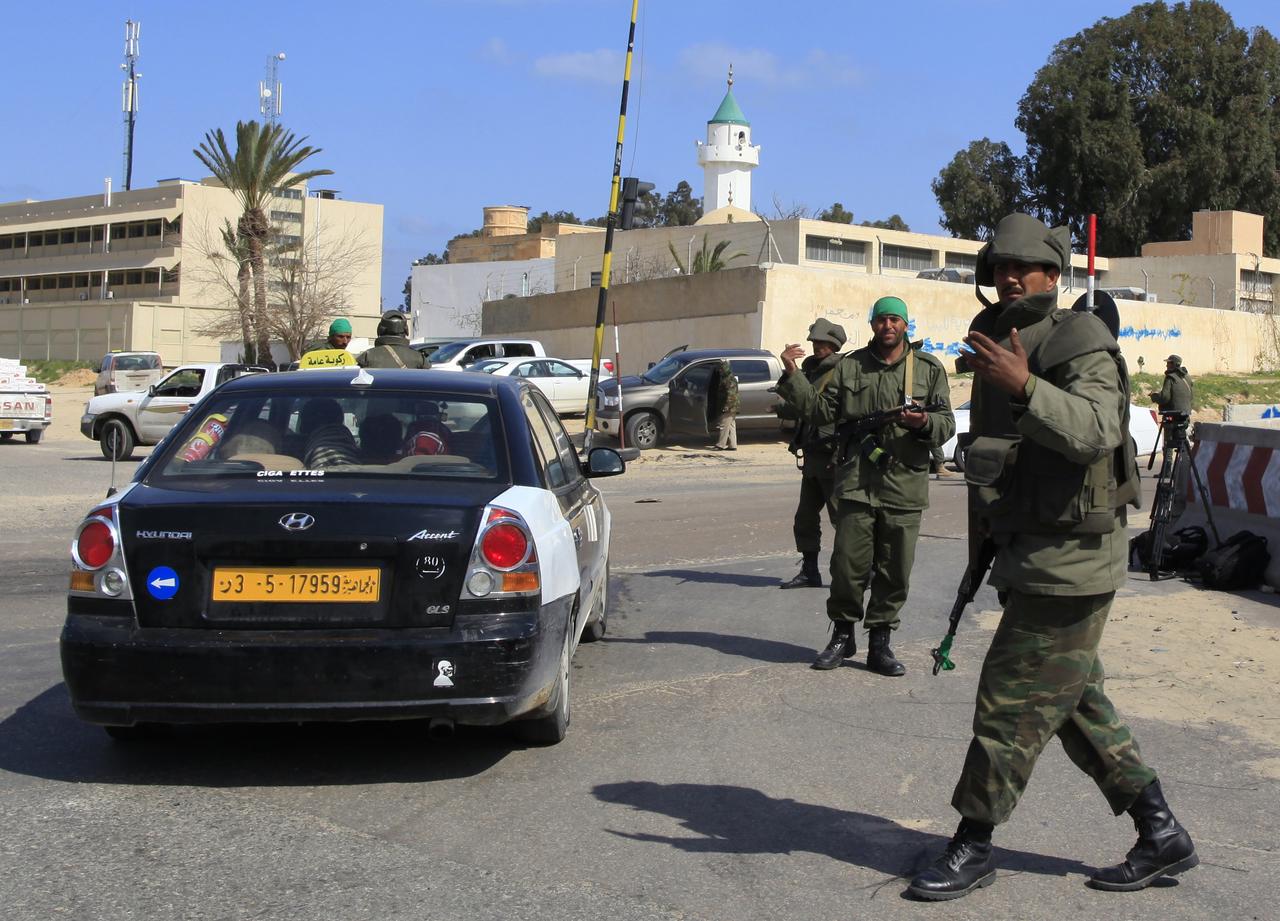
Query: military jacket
x,y
1175,395
864,383
392,352
1071,420
815,460
726,397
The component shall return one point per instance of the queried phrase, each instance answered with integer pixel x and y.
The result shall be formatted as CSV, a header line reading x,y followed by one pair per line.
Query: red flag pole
x,y
1093,248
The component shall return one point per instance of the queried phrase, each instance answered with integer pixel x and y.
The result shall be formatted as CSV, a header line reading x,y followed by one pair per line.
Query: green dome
x,y
729,113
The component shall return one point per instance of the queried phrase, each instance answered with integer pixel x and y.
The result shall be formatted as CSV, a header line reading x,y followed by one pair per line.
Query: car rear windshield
x,y
342,432
137,362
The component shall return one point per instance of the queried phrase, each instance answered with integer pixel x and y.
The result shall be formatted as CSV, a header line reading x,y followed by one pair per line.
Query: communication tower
x,y
270,91
130,95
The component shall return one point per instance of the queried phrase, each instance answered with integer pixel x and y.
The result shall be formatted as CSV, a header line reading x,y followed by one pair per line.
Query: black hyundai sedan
x,y
322,546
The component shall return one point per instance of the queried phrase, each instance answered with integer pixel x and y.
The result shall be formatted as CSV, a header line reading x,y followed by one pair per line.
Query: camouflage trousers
x,y
874,545
1042,677
815,496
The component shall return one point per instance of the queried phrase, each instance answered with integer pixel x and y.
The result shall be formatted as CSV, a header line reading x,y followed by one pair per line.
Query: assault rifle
x,y
860,432
969,586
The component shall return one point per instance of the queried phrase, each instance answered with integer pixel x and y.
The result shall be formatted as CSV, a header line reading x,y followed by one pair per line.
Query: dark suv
x,y
672,398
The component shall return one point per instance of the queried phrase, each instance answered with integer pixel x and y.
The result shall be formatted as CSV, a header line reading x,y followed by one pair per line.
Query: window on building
x,y
295,194
82,280
65,281
98,233
962,261
6,243
1256,284
133,278
835,249
136,229
295,216
68,235
82,234
115,278
152,228
119,231
95,279
4,284
907,258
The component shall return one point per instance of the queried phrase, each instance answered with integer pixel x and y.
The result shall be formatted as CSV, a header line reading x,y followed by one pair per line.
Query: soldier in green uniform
x,y
1050,470
883,485
391,349
725,406
817,475
1175,394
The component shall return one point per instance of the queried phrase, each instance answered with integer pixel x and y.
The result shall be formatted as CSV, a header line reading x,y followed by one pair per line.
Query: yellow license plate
x,y
7,426
294,584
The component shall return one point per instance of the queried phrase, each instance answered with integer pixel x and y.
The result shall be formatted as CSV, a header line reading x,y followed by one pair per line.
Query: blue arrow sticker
x,y
162,583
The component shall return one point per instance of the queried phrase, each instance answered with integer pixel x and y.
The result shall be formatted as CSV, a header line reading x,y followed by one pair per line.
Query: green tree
x,y
679,208
1151,116
547,217
836,214
265,161
705,260
892,222
980,185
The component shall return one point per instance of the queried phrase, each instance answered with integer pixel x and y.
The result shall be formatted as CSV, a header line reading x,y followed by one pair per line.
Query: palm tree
x,y
238,250
705,260
265,160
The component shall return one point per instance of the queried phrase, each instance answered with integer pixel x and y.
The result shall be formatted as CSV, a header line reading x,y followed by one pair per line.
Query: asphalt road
x,y
708,773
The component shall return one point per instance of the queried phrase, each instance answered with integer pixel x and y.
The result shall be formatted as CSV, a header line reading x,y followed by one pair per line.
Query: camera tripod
x,y
1175,459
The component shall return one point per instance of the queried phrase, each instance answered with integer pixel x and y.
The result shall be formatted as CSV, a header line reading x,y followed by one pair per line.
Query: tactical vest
x,y
1021,486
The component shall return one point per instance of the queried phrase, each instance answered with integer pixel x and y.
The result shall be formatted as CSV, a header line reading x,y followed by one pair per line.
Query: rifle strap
x,y
907,376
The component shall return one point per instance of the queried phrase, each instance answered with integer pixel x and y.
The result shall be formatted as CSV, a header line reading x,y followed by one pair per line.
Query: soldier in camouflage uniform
x,y
726,405
1175,395
817,475
882,487
1050,470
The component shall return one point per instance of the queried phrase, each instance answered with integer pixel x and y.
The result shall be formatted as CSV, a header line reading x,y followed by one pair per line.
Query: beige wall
x,y
86,332
768,308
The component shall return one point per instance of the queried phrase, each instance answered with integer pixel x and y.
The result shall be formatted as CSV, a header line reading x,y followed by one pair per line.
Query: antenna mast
x,y
130,96
270,91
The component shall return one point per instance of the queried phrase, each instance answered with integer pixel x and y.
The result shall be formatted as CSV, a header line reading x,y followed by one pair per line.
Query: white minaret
x,y
728,157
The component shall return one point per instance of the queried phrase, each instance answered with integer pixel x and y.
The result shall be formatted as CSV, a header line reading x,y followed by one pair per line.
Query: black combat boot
x,y
808,576
842,646
964,866
880,658
1164,848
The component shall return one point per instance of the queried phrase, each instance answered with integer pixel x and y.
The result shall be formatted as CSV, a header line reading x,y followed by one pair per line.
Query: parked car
x,y
1144,426
563,384
672,397
960,276
127,371
460,354
121,421
237,579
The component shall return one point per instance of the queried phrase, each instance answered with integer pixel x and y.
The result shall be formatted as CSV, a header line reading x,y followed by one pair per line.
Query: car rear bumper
x,y
502,667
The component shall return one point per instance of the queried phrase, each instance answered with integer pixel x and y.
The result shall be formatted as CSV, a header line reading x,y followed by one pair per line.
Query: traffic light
x,y
632,189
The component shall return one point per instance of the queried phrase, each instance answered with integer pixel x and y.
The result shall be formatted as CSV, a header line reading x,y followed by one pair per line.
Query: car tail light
x,y
504,560
504,546
94,545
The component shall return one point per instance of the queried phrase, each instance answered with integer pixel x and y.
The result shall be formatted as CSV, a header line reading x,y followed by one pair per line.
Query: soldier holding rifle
x,y
877,399
1050,469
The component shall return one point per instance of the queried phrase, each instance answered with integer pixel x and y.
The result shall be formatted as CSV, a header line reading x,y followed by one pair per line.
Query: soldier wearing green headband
x,y
1050,469
882,485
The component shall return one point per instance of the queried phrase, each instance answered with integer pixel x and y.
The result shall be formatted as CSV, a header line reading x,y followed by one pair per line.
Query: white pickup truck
x,y
25,404
121,421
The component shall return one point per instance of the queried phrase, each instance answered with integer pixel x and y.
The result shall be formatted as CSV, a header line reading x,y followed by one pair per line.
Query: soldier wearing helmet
x,y
391,349
1050,469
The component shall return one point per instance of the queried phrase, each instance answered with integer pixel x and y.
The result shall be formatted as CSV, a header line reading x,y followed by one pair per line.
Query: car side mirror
x,y
97,369
603,462
651,364
151,391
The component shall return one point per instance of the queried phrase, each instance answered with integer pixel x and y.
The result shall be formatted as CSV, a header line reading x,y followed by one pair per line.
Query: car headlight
x,y
612,402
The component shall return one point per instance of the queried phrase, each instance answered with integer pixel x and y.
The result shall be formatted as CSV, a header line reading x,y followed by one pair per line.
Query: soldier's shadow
x,y
738,820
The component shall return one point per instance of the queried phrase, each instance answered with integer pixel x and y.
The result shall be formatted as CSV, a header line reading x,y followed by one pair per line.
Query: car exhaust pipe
x,y
440,728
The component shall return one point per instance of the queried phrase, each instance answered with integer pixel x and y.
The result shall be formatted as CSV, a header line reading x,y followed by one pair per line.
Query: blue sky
x,y
435,109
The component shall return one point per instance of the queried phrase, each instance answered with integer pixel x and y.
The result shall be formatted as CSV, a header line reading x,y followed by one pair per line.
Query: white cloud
x,y
710,61
602,66
495,49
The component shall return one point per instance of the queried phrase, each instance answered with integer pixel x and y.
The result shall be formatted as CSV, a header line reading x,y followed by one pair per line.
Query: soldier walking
x,y
882,485
817,475
1050,470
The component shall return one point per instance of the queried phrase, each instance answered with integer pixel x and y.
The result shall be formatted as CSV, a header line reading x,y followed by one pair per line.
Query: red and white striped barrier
x,y
1242,477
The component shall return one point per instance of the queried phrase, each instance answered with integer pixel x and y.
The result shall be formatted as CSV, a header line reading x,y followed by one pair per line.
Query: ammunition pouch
x,y
989,466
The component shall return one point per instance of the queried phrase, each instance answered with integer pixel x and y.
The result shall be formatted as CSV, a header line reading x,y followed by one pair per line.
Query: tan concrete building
x,y
505,237
80,277
1221,266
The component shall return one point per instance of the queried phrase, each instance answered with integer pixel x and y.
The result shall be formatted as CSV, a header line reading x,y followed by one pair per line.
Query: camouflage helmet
x,y
1023,238
823,330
